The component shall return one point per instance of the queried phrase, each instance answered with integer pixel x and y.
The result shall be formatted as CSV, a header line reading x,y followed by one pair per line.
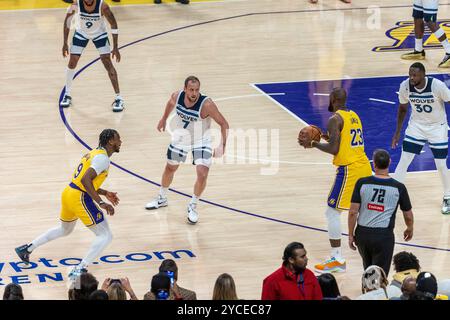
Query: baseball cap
x,y
426,283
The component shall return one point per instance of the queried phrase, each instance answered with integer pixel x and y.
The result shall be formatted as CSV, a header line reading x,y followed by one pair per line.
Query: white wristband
x,y
115,31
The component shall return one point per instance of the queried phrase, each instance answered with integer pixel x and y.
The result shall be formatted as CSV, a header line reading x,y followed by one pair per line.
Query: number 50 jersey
x,y
89,24
427,104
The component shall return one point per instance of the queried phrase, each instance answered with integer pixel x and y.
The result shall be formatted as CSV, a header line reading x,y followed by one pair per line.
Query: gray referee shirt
x,y
379,199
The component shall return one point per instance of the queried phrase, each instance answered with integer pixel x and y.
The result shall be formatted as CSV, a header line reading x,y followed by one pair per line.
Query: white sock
x,y
69,78
102,240
336,253
63,230
419,45
194,200
163,192
118,96
446,46
402,167
441,165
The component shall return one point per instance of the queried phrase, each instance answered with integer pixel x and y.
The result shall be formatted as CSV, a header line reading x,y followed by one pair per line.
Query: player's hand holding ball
x,y
309,134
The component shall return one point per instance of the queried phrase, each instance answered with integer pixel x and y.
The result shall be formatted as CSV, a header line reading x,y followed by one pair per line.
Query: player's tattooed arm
x,y
66,28
334,128
106,11
401,114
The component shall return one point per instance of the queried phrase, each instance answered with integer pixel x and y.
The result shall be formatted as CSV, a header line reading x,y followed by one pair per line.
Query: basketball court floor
x,y
269,66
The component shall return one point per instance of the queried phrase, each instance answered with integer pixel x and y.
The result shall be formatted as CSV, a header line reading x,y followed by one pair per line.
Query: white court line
x,y
279,104
321,94
384,101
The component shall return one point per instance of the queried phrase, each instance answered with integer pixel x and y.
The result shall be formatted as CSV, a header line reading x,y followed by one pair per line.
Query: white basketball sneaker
x,y
159,202
66,102
118,105
192,213
445,206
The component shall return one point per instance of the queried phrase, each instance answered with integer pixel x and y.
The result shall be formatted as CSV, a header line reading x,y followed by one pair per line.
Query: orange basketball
x,y
310,133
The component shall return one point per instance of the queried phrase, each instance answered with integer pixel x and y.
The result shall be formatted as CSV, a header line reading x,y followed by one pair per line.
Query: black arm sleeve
x,y
356,197
405,203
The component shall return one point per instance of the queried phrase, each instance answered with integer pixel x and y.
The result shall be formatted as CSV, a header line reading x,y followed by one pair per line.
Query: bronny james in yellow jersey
x,y
78,201
346,144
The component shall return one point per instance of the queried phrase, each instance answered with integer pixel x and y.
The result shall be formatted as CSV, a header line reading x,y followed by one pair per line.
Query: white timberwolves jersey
x,y
189,129
90,24
427,104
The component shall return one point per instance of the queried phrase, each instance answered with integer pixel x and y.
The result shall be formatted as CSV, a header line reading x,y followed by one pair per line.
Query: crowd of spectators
x,y
292,281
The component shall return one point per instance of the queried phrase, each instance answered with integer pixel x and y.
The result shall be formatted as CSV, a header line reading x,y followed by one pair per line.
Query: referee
x,y
374,204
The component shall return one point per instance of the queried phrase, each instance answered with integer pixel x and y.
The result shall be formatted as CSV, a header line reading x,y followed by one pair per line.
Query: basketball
x,y
309,133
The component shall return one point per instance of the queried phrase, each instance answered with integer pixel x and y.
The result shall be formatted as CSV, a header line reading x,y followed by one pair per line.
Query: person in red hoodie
x,y
292,281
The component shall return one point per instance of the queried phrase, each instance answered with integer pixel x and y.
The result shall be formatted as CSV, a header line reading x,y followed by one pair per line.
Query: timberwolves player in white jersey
x,y
90,25
428,124
190,133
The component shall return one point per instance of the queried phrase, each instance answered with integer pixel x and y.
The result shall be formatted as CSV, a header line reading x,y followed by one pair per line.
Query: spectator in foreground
x,y
329,287
374,283
224,288
13,291
170,267
293,281
85,284
406,265
160,288
117,289
427,288
99,295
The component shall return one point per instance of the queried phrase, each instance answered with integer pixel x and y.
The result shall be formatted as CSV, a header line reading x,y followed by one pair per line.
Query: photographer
x,y
117,289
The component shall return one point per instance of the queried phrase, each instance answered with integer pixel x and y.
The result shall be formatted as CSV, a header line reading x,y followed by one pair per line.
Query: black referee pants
x,y
376,246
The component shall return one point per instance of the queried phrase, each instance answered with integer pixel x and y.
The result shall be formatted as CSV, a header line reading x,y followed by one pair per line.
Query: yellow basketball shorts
x,y
77,204
344,183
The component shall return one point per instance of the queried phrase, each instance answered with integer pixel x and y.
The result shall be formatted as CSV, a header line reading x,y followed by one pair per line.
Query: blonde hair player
x,y
192,122
78,202
90,25
346,144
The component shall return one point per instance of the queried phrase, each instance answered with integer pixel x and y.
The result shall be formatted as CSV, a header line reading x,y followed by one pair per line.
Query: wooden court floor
x,y
254,208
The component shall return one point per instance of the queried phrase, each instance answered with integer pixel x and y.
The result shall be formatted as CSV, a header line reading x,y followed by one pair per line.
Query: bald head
x,y
338,98
409,286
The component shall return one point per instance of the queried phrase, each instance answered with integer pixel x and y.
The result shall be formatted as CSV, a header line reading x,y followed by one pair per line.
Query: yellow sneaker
x,y
330,266
445,63
415,55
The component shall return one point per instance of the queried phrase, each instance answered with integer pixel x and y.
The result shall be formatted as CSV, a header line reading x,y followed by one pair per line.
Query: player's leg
x,y
175,156
64,229
103,237
430,10
118,104
412,145
419,29
76,49
202,159
438,142
336,263
102,44
69,199
93,218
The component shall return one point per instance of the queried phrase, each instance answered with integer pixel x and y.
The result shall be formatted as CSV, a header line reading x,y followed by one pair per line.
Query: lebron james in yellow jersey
x,y
346,144
81,200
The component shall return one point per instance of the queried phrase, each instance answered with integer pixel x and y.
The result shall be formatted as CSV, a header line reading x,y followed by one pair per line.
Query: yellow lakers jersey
x,y
351,147
84,166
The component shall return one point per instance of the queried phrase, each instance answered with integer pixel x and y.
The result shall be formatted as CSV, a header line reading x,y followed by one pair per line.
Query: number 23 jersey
x,y
427,104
